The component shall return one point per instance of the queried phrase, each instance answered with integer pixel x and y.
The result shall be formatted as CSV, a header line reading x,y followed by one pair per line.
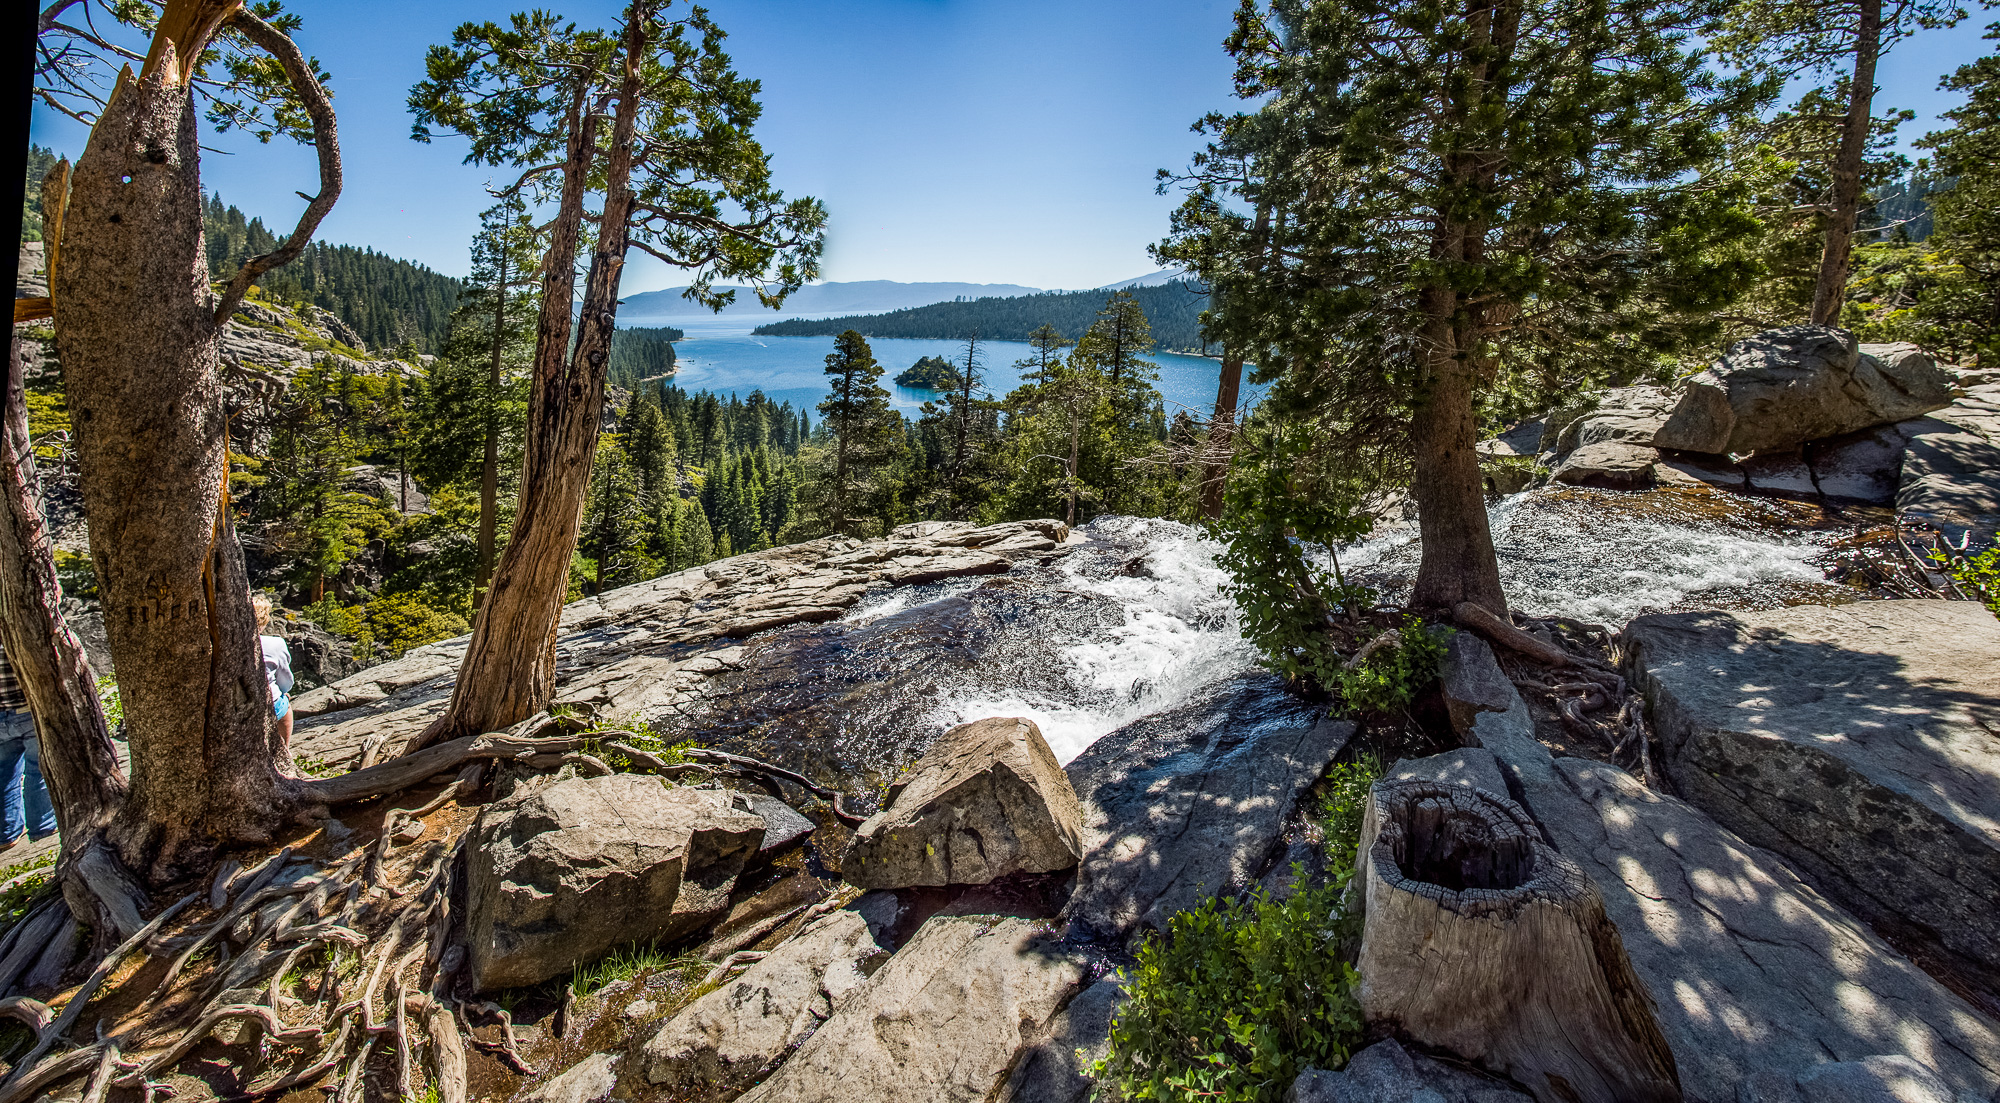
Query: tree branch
x,y
326,138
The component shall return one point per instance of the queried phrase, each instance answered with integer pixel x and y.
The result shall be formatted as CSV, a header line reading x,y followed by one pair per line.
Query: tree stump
x,y
1479,939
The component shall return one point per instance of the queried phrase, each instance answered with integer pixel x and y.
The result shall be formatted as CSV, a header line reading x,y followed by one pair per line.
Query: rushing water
x,y
720,354
1137,621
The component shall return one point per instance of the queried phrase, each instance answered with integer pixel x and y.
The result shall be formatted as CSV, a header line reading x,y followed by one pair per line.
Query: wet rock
x,y
1191,803
650,648
562,873
1471,681
1787,386
1688,468
988,799
1751,970
721,1043
1387,1073
1860,741
1610,465
943,1020
1053,1070
1864,467
1780,474
590,1080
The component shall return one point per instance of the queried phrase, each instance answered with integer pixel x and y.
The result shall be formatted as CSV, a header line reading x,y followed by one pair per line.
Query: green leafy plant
x,y
1239,996
114,705
638,735
18,897
1388,676
1978,576
1235,1000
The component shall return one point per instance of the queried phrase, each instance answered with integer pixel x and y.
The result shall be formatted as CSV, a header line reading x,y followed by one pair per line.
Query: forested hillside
x,y
1174,310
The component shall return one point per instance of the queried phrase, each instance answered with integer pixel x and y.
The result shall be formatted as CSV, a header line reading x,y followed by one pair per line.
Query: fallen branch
x,y
753,766
398,774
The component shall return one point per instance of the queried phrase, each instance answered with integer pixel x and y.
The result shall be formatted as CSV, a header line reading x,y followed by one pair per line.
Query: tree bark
x,y
1221,436
1830,290
86,784
509,668
1458,883
489,468
136,328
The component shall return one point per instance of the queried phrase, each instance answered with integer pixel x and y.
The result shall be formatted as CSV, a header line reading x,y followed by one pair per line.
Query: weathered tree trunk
x,y
489,467
1221,436
1830,290
136,328
509,668
1481,940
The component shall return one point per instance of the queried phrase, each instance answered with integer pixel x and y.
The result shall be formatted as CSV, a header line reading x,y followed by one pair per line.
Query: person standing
x,y
20,767
277,672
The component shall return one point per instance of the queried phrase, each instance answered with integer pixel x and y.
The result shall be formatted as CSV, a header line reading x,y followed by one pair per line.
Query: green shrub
x,y
1238,997
1236,1000
398,622
1390,677
1978,576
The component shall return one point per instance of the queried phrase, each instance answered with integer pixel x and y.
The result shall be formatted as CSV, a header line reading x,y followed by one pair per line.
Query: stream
x,y
1137,622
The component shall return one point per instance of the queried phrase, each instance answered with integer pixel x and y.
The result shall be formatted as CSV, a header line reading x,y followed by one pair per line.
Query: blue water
x,y
719,354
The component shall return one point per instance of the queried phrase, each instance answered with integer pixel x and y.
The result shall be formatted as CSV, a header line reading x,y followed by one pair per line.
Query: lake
x,y
719,354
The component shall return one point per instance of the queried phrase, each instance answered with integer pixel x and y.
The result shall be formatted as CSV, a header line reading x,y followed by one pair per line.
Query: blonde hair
x,y
262,605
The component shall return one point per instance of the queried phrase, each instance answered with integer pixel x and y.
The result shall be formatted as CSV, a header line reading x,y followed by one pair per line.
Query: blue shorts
x,y
281,706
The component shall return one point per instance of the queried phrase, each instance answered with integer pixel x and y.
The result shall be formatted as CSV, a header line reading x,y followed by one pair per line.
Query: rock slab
x,y
1387,1073
1752,972
1191,803
1860,741
719,1044
563,873
988,799
1053,1070
944,1020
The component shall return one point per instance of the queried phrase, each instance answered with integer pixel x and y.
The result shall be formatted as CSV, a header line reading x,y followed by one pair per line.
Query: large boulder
x,y
1609,465
943,1021
1860,741
988,799
565,872
1625,415
1784,387
1752,971
719,1044
1192,803
1950,472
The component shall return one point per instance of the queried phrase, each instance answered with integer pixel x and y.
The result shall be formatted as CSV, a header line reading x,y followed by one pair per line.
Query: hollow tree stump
x,y
1481,940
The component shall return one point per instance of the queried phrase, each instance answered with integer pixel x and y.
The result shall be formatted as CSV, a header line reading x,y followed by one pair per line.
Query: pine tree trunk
x,y
1221,436
1830,290
1458,563
509,669
1457,883
489,467
137,333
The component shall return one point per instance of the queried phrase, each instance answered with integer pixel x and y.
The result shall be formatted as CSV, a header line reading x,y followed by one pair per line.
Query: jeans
x,y
21,776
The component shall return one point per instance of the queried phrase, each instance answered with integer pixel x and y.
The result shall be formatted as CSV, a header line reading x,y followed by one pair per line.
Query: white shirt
x,y
277,665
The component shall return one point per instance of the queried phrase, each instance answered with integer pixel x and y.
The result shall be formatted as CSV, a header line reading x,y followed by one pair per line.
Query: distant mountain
x,y
1174,309
1151,279
862,296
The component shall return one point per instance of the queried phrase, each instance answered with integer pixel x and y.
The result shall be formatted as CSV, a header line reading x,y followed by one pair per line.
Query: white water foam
x,y
1179,636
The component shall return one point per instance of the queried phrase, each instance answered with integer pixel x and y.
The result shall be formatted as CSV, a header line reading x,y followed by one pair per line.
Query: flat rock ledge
x,y
649,648
1862,742
1753,973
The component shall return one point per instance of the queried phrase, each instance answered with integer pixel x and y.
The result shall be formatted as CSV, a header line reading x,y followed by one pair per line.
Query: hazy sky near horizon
x,y
988,141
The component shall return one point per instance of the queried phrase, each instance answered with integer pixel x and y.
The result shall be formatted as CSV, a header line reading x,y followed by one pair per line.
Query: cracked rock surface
x,y
1860,741
1752,971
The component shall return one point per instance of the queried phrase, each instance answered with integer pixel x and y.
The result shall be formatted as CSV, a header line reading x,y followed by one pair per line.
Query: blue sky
x,y
993,141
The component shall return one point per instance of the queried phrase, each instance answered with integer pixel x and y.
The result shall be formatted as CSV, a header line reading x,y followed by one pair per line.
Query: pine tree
x,y
1963,308
1115,348
863,425
1511,187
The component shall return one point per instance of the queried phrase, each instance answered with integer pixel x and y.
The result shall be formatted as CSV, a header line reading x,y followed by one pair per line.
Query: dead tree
x,y
1481,940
